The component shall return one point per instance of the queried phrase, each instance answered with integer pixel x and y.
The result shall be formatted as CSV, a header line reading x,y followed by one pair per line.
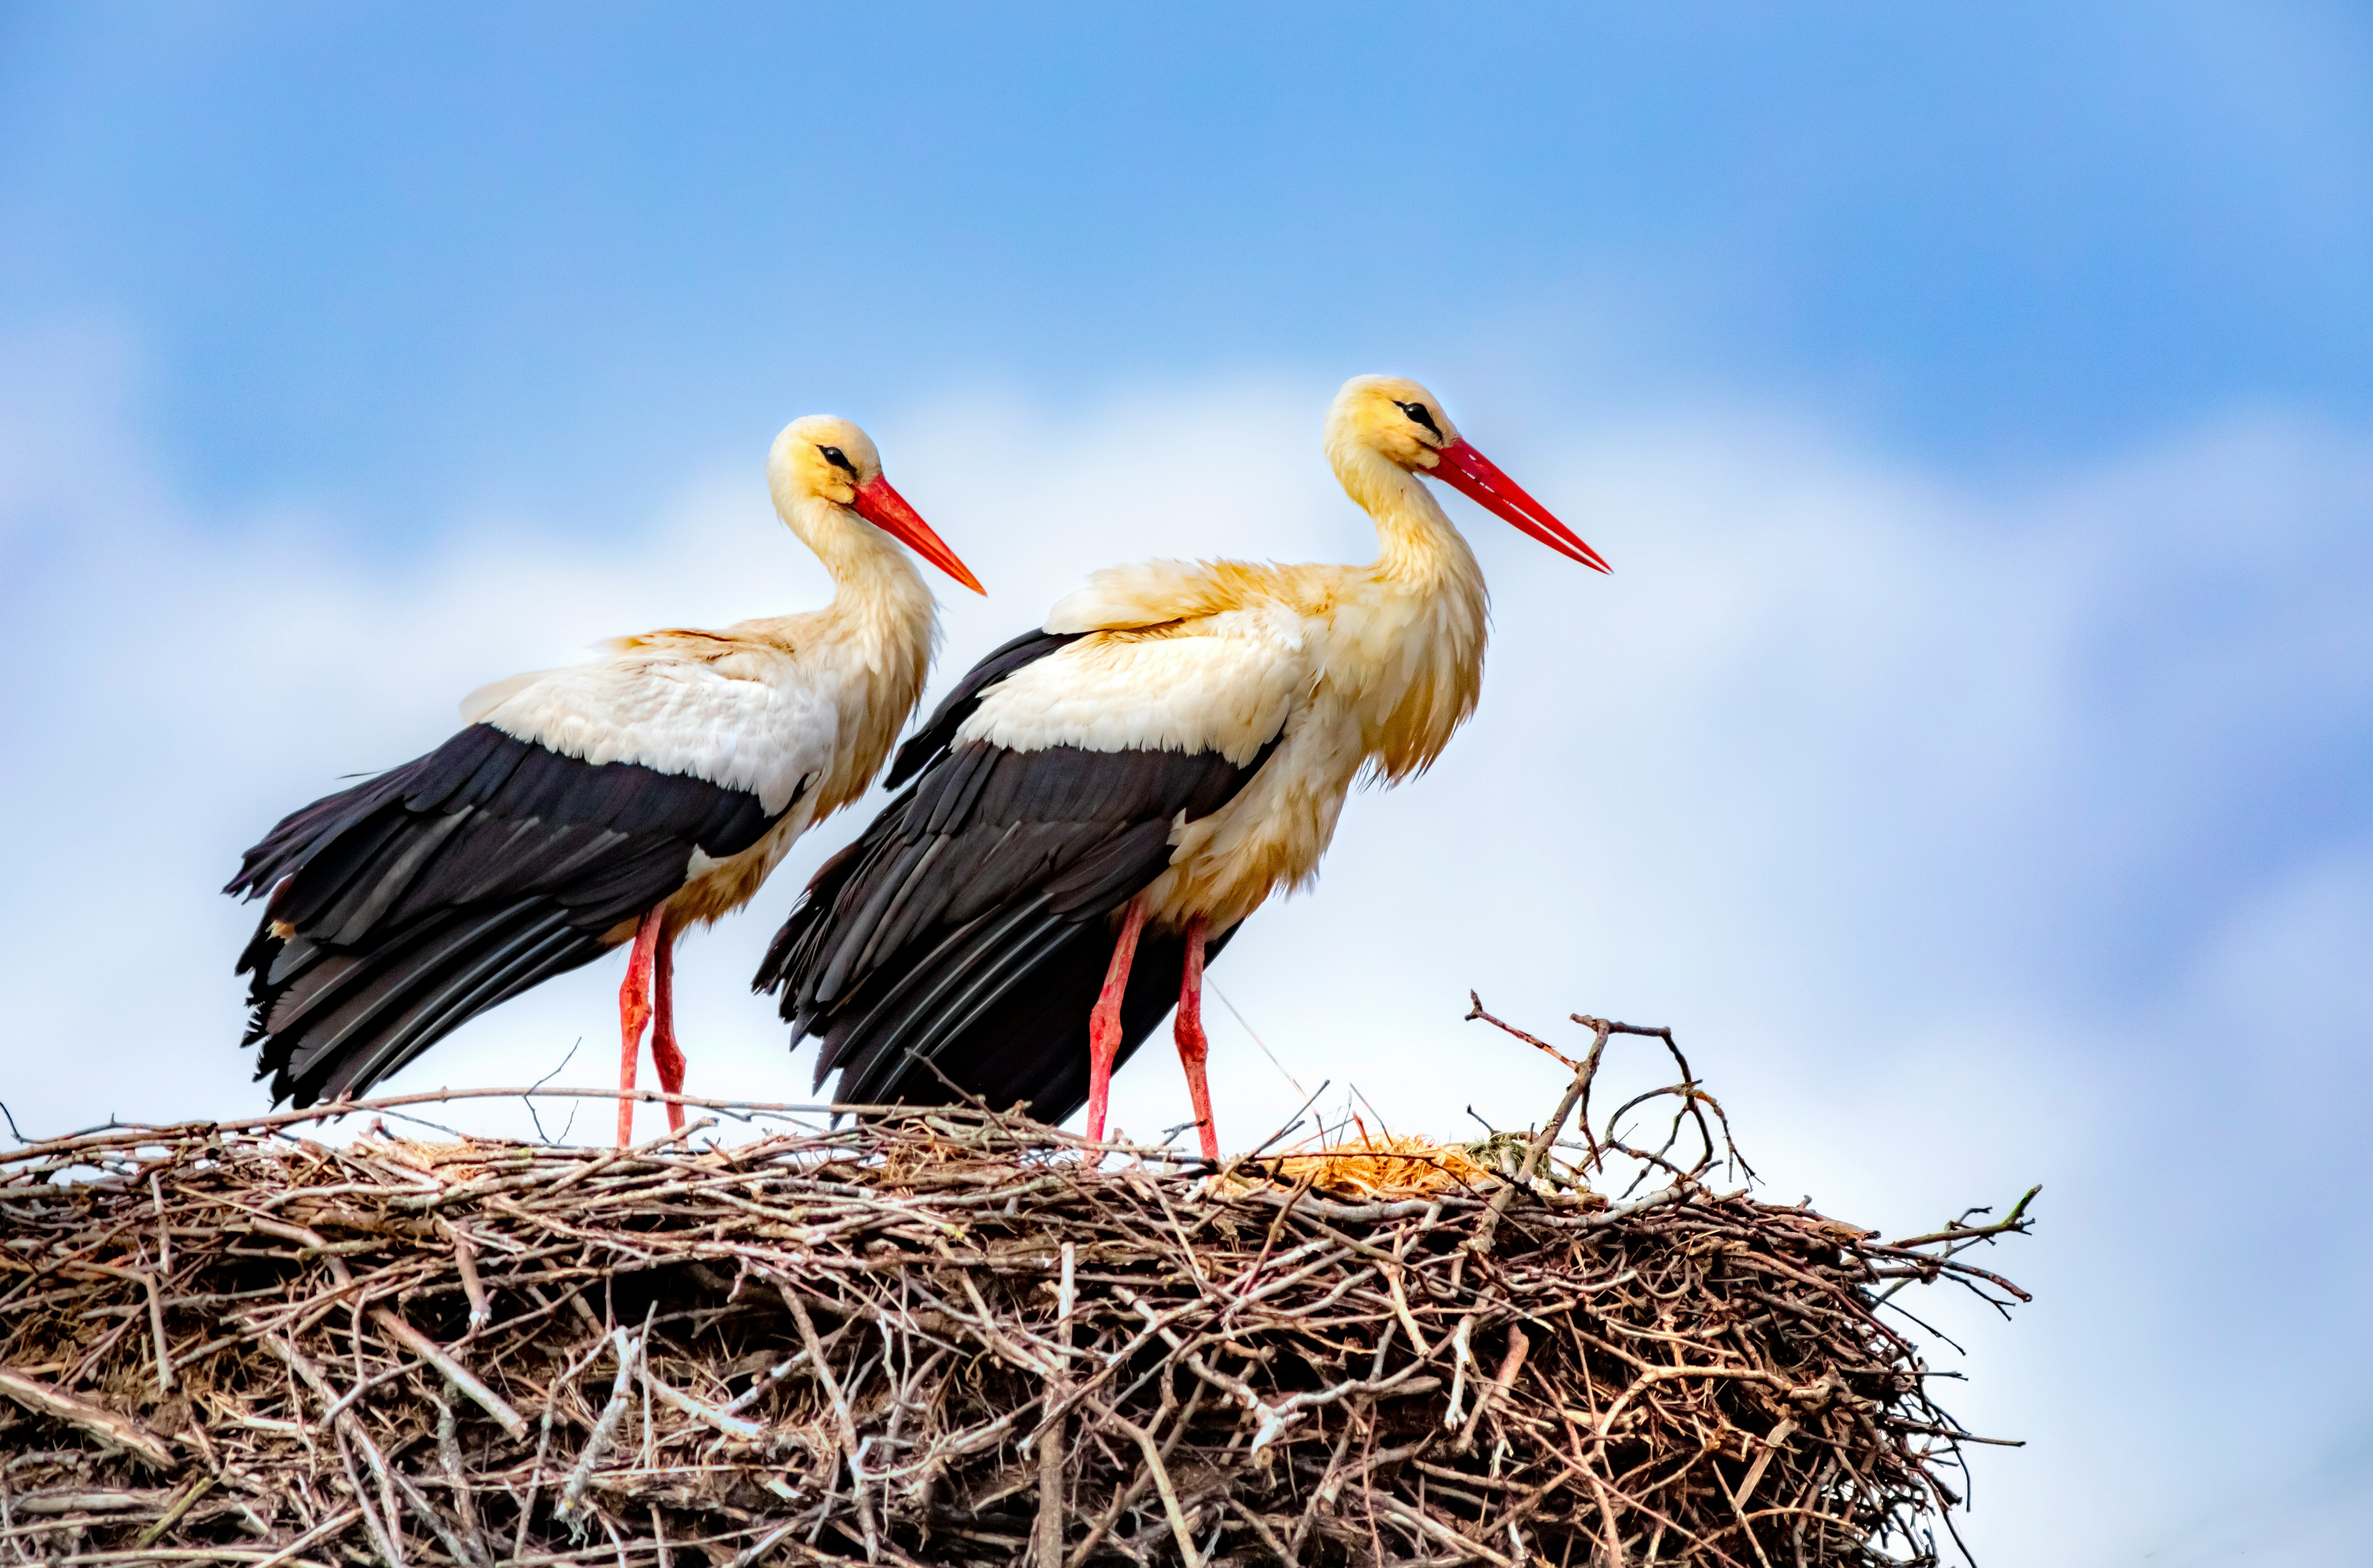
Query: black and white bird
x,y
1093,811
586,808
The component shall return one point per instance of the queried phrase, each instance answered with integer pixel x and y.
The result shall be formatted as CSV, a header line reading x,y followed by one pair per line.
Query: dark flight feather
x,y
420,898
939,732
966,934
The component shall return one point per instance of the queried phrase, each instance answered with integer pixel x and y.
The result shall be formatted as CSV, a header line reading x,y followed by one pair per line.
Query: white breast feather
x,y
762,727
1225,686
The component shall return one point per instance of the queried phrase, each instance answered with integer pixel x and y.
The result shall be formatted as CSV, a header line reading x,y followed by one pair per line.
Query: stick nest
x,y
954,1337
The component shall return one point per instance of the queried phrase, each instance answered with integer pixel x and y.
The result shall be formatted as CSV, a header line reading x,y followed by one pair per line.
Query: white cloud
x,y
1971,838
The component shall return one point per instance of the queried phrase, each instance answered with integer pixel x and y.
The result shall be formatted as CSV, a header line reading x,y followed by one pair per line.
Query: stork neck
x,y
1431,608
1418,548
877,592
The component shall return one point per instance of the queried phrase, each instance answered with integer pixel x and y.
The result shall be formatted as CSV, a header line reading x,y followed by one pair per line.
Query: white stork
x,y
604,803
1099,803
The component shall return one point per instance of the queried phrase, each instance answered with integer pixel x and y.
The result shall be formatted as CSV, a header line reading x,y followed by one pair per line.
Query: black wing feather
x,y
963,939
939,732
407,904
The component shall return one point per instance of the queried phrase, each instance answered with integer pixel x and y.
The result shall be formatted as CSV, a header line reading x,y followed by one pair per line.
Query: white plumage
x,y
751,718
1224,684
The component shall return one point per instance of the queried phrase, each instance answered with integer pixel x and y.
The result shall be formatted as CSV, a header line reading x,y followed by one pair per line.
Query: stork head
x,y
824,458
1400,421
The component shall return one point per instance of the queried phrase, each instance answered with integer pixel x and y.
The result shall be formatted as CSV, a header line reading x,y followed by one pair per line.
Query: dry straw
x,y
956,1337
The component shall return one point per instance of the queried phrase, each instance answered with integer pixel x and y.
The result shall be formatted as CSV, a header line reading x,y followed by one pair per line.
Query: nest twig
x,y
956,1337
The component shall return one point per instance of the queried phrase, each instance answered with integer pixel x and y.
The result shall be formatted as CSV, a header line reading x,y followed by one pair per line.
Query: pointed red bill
x,y
1479,478
886,510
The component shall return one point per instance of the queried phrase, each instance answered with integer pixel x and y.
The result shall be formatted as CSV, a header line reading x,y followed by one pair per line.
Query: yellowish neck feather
x,y
1428,672
876,589
886,622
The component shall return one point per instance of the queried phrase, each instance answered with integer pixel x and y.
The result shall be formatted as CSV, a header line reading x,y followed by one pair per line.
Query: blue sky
x,y
1972,755
541,252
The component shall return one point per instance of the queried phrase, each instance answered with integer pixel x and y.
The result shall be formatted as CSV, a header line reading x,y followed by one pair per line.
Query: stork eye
x,y
1421,415
838,459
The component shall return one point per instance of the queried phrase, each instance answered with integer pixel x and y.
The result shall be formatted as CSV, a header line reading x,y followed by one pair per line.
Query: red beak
x,y
1477,477
887,510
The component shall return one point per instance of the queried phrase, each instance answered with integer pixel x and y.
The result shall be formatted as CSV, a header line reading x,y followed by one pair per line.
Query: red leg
x,y
1192,1046
1103,1024
634,1012
665,1054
